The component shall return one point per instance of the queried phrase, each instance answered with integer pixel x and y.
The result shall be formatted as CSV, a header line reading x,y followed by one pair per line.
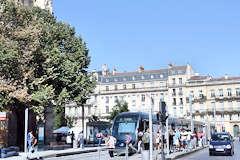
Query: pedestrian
x,y
33,149
139,140
176,139
158,140
99,138
72,138
29,139
128,141
146,140
80,139
111,141
170,141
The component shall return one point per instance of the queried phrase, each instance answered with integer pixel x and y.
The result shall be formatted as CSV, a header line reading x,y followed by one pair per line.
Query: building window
x,y
115,98
143,85
115,87
134,101
173,81
107,109
180,80
230,117
180,93
201,107
76,112
238,116
191,94
124,86
174,92
133,86
212,93
181,101
229,92
161,84
89,110
70,111
174,111
237,91
95,110
152,84
107,99
107,88
143,98
174,101
193,116
220,92
200,94
162,96
222,117
181,111
202,117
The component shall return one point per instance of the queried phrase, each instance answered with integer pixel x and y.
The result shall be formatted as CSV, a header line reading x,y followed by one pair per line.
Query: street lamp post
x,y
151,131
214,112
190,99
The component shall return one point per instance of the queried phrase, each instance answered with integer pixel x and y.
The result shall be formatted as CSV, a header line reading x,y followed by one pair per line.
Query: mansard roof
x,y
144,75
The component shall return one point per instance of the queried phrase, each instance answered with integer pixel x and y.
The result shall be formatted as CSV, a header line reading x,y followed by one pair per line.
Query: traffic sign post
x,y
3,116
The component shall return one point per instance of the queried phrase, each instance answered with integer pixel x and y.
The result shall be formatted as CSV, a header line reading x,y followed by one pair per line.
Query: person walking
x,y
72,138
33,149
158,141
29,139
129,142
80,139
99,138
110,143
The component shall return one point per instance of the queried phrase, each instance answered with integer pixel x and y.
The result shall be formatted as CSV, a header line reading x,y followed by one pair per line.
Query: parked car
x,y
221,143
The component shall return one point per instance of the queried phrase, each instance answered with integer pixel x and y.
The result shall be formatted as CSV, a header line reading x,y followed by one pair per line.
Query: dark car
x,y
221,143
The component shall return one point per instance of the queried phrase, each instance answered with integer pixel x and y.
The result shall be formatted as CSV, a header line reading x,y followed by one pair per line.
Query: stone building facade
x,y
174,84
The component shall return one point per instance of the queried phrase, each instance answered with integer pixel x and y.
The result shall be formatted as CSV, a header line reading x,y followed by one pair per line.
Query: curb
x,y
65,154
187,153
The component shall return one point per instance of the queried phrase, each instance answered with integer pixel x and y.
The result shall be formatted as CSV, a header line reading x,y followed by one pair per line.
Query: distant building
x,y
44,4
173,85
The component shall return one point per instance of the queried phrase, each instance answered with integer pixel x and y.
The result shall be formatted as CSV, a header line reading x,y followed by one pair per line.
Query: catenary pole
x,y
26,129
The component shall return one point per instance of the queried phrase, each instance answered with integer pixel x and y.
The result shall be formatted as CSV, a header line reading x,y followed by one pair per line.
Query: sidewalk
x,y
67,152
54,153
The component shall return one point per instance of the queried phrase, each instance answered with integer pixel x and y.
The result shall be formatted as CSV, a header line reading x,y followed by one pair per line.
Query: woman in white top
x,y
111,145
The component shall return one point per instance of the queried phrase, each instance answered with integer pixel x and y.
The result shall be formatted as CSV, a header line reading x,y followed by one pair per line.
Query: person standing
x,y
158,141
72,138
111,141
80,139
146,140
139,140
99,138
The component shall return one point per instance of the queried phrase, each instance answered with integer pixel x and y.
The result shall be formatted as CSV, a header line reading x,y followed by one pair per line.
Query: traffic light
x,y
162,114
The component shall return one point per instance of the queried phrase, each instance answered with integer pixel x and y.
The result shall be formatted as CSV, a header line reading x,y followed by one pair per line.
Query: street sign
x,y
3,116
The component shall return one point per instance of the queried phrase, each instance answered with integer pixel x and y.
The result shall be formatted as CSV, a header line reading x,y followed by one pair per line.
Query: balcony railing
x,y
200,99
180,93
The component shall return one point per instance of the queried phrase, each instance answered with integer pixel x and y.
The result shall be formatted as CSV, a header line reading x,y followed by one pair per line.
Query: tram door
x,y
236,130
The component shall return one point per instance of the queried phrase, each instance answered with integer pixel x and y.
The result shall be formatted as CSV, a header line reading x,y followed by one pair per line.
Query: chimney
x,y
141,68
114,71
170,65
226,76
104,70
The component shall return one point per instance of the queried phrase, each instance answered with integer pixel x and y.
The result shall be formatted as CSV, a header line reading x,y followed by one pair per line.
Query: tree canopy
x,y
118,108
42,61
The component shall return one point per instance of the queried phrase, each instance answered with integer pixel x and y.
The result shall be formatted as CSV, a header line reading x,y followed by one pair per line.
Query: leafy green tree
x,y
118,108
42,62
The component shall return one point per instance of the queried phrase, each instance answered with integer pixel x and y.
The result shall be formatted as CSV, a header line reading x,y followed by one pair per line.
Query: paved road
x,y
94,156
204,155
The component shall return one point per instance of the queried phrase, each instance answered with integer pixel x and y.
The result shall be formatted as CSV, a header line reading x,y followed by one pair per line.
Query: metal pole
x,y
99,155
214,112
26,130
167,136
126,151
151,131
192,125
162,149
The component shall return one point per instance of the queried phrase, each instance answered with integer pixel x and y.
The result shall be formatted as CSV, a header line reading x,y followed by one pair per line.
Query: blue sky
x,y
128,33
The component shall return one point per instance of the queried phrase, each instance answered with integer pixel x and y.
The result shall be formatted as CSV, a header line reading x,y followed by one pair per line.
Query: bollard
x,y
99,154
126,152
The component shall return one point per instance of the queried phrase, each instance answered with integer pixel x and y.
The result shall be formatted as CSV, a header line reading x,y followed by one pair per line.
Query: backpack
x,y
145,138
98,135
